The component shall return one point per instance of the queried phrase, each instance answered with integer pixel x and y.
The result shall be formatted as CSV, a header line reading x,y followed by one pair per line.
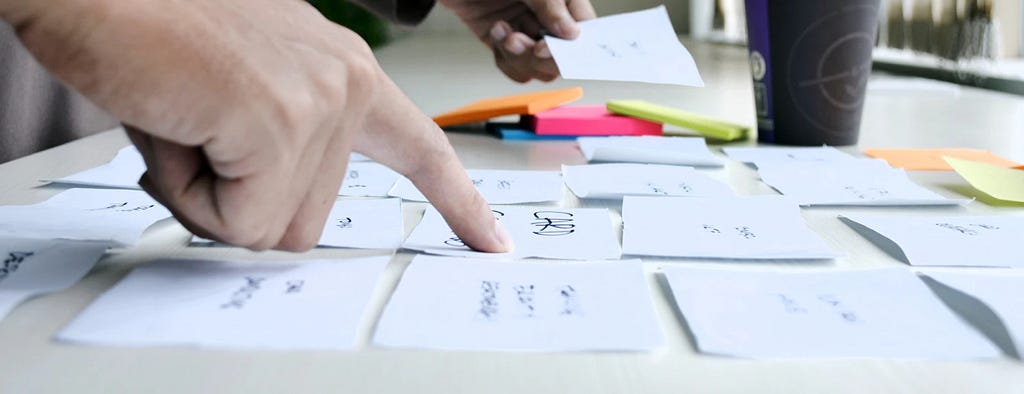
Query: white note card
x,y
315,304
361,224
542,232
771,155
500,186
465,304
982,241
84,214
886,313
122,172
1001,291
687,151
845,184
612,181
33,267
368,179
639,46
757,227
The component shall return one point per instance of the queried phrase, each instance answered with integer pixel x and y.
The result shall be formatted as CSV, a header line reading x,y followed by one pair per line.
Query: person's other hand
x,y
245,112
514,30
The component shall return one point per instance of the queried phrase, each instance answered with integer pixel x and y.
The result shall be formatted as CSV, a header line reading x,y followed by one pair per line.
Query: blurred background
x,y
971,42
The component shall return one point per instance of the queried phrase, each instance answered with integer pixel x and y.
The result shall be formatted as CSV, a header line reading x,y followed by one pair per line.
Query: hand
x,y
245,112
514,29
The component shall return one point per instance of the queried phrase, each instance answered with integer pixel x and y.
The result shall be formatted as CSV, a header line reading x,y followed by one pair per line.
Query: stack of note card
x,y
625,179
637,46
317,304
113,215
760,227
500,186
542,232
686,151
772,155
981,241
885,312
463,304
32,267
587,120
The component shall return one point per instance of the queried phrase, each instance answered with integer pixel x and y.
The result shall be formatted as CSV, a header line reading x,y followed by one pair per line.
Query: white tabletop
x,y
442,72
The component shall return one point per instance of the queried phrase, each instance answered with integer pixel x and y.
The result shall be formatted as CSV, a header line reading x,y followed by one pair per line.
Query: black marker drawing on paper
x,y
967,230
504,185
242,296
353,174
712,229
344,223
294,286
489,299
570,301
111,206
746,232
656,189
790,305
631,48
478,182
524,294
844,312
870,193
553,223
12,262
121,207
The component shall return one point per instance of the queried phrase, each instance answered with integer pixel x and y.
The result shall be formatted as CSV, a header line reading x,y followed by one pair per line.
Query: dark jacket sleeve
x,y
403,12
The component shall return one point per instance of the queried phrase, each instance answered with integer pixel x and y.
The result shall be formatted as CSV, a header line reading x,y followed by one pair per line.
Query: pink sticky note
x,y
588,120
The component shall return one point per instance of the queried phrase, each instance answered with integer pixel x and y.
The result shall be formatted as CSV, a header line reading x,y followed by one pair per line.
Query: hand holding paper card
x,y
500,186
687,151
618,180
463,304
980,241
84,214
317,304
638,46
31,267
543,232
761,227
885,312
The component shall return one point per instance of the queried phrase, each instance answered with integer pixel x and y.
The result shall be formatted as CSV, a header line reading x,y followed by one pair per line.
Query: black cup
x,y
810,61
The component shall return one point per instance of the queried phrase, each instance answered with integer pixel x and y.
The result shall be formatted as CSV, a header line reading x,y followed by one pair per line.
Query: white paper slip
x,y
463,304
759,227
363,224
316,304
122,172
355,156
884,313
84,214
32,267
1001,292
842,184
983,241
769,155
639,46
688,151
500,186
618,180
542,232
368,179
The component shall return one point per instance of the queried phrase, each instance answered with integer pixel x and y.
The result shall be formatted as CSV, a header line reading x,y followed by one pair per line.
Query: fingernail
x,y
543,52
498,33
502,235
564,29
515,47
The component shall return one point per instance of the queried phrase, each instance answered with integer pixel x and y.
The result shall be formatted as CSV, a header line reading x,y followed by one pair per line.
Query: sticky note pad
x,y
1003,183
516,132
931,159
519,104
590,120
704,125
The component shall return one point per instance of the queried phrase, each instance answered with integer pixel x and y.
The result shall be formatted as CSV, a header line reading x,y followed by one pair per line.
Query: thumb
x,y
400,136
556,18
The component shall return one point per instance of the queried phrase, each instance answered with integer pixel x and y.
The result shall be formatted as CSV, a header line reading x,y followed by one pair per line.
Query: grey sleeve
x,y
404,12
36,110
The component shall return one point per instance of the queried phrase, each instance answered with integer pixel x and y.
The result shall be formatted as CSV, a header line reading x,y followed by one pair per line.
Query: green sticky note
x,y
704,125
1000,182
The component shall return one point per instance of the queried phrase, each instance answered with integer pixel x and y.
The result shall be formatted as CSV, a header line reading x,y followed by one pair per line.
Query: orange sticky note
x,y
519,104
931,159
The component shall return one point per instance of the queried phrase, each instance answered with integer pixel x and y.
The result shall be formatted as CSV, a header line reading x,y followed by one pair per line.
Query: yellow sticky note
x,y
999,182
931,159
707,126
